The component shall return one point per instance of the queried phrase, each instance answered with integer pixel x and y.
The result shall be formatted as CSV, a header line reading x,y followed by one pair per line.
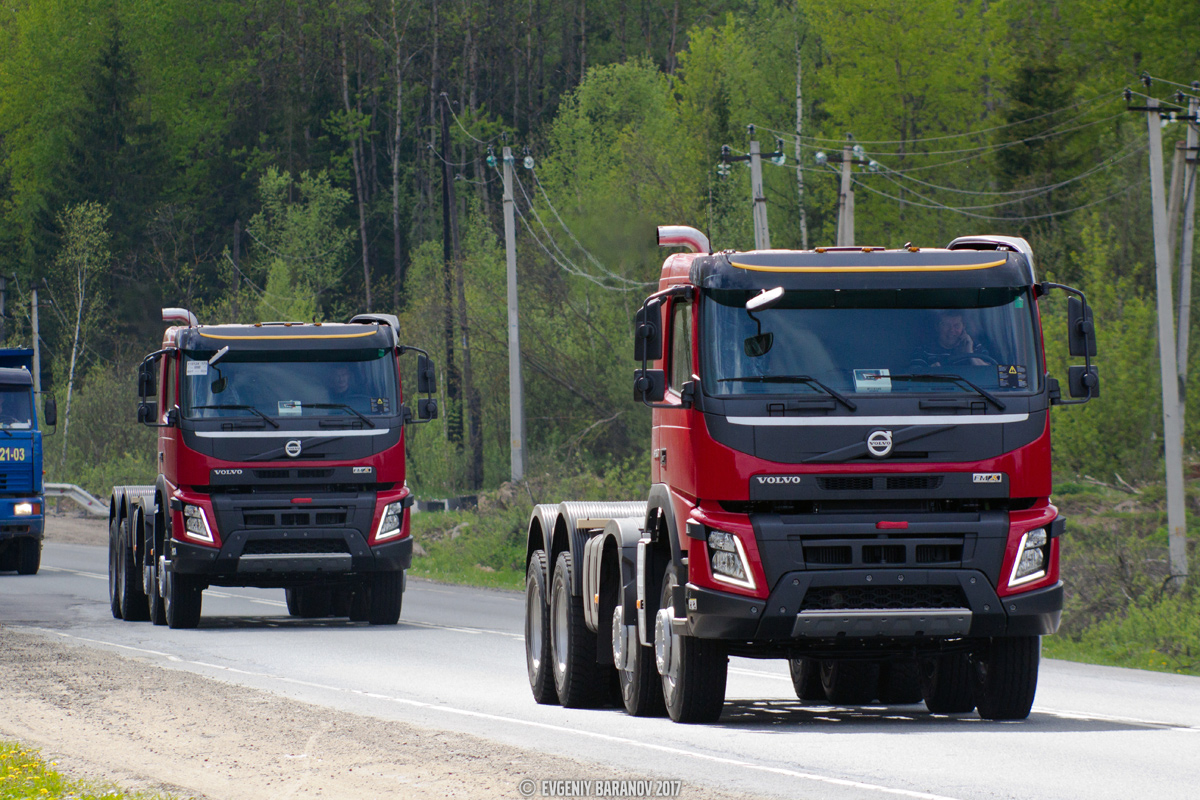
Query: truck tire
x,y
850,682
946,683
806,679
1005,677
537,632
386,598
158,608
182,596
114,597
29,555
8,557
578,679
360,607
639,684
900,682
308,602
694,671
134,604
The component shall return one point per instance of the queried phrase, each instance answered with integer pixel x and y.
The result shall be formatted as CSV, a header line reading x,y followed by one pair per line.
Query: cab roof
x,y
370,333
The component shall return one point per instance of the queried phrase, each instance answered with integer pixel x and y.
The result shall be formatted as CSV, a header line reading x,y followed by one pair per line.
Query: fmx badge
x,y
292,448
987,477
879,443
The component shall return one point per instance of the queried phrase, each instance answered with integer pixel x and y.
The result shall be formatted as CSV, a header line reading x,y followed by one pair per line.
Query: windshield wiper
x,y
944,378
345,406
808,379
230,407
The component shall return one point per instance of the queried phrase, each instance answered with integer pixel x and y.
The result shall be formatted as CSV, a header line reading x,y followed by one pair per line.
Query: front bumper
x,y
873,604
24,526
281,558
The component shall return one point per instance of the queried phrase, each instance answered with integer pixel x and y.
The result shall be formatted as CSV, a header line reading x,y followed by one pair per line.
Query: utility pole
x,y
516,390
762,236
37,347
1177,542
1172,421
845,230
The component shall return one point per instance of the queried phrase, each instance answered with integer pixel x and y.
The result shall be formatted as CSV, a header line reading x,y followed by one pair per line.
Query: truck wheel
x,y
1005,677
693,670
850,682
900,682
386,598
577,676
182,596
946,684
8,556
641,689
134,605
339,602
158,609
806,679
537,631
114,597
308,602
29,555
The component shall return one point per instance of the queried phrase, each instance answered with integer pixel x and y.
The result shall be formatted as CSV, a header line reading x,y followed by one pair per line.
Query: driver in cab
x,y
952,345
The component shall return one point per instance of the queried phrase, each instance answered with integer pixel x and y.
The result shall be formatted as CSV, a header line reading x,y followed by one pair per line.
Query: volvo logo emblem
x,y
879,443
292,448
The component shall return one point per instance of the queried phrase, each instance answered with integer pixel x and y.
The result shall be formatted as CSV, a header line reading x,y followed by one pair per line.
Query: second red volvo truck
x,y
850,470
280,464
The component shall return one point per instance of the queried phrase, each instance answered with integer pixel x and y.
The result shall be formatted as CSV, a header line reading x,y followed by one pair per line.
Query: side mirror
x,y
147,379
1081,334
426,376
647,335
172,420
1083,381
148,413
649,385
50,412
427,408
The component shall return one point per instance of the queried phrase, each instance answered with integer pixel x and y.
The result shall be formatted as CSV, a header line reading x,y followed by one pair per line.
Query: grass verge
x,y
24,775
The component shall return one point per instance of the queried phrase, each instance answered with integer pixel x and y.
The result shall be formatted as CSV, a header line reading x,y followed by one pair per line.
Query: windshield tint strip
x,y
296,336
887,422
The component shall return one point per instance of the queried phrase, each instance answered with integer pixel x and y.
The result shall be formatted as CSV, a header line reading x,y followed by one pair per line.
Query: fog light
x,y
1030,563
390,523
195,524
728,560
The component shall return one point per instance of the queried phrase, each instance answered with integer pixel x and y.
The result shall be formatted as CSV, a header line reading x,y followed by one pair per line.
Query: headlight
x,y
391,522
195,524
728,560
1032,556
26,509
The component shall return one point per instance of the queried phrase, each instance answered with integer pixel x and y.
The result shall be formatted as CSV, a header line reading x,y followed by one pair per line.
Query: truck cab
x,y
281,464
22,503
850,468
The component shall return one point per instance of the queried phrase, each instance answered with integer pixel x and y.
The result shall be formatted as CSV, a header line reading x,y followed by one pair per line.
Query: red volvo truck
x,y
850,471
280,464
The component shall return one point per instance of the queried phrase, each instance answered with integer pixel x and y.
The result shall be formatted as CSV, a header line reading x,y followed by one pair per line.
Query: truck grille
x,y
268,518
280,547
894,551
837,598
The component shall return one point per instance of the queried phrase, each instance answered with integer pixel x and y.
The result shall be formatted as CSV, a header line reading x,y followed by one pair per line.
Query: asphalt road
x,y
456,663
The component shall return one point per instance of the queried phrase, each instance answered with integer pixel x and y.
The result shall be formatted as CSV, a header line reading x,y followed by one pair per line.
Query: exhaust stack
x,y
683,236
180,315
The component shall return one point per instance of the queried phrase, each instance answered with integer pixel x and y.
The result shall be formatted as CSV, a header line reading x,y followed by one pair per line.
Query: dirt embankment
x,y
94,713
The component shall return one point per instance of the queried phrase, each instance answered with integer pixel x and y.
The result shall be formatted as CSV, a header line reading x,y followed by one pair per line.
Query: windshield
x,y
871,341
287,384
15,407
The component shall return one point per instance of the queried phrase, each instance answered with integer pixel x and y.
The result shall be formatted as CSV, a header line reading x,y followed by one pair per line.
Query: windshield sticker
x,y
1012,376
379,405
197,368
872,380
290,408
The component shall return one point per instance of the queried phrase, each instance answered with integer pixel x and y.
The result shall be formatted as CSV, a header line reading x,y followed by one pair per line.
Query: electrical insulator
x,y
779,159
821,158
491,158
859,152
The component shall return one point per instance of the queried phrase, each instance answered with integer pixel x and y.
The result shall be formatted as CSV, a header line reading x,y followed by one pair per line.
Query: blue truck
x,y
22,502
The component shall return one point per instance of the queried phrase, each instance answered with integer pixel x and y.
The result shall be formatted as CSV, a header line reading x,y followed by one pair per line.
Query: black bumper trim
x,y
228,563
721,615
